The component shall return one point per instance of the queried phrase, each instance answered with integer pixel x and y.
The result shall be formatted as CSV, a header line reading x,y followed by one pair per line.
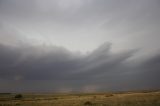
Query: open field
x,y
94,99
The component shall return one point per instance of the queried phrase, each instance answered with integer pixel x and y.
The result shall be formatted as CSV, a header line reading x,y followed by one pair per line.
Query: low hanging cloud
x,y
100,68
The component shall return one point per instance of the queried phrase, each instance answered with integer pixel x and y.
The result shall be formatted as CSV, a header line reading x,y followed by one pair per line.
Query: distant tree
x,y
18,96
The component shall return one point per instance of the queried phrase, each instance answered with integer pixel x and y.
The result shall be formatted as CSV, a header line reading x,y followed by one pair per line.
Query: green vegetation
x,y
96,99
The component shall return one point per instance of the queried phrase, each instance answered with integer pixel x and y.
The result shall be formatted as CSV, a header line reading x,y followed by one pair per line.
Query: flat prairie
x,y
141,98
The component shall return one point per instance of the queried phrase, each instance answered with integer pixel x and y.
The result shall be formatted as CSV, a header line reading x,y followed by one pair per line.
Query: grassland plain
x,y
82,99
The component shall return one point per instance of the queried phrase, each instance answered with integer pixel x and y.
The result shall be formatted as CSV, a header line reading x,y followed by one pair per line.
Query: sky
x,y
79,45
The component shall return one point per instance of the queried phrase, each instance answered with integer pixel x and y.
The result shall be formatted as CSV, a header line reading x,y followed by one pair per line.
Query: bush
x,y
55,98
88,103
18,96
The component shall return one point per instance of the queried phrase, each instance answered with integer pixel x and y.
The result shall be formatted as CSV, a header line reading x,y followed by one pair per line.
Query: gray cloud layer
x,y
67,23
101,68
121,38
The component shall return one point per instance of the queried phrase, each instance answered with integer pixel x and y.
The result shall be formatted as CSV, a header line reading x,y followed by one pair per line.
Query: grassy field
x,y
96,99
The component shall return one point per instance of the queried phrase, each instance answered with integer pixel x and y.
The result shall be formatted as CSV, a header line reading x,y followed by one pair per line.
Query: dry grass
x,y
102,99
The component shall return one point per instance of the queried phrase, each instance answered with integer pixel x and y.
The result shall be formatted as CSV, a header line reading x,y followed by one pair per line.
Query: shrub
x,y
17,104
88,103
55,98
18,96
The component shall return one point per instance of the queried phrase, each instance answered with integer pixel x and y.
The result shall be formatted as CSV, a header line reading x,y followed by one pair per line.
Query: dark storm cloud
x,y
36,61
59,65
131,26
